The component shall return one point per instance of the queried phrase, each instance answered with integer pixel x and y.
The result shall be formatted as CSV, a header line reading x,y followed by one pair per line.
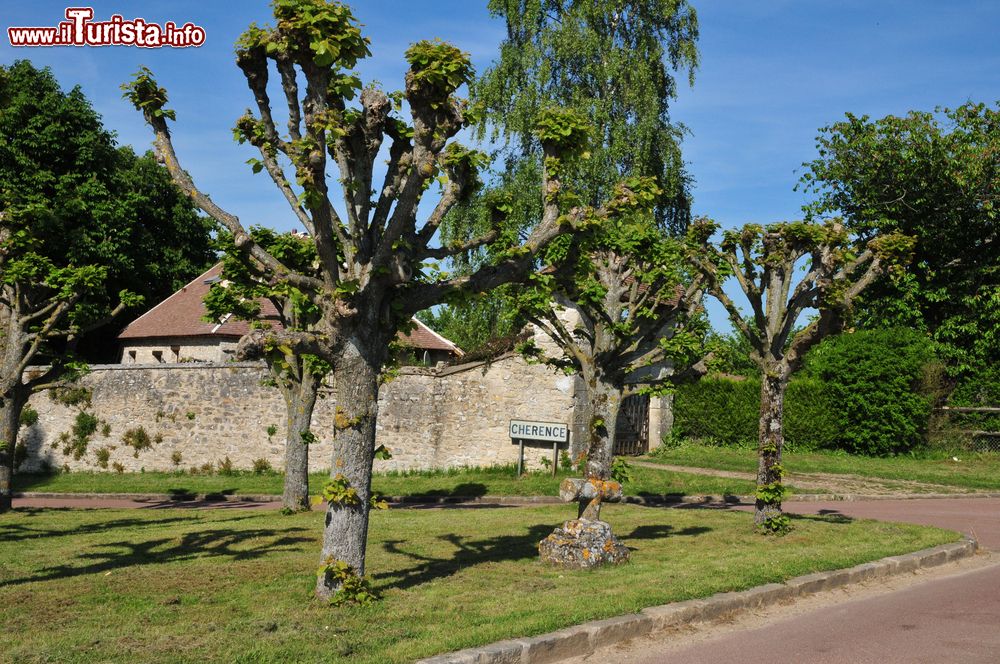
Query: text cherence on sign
x,y
525,430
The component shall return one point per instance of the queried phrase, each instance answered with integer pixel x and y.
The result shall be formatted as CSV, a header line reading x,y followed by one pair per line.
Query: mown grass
x,y
235,586
972,470
494,481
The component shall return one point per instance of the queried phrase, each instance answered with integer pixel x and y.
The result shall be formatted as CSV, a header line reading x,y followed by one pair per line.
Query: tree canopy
x,y
934,177
87,231
92,202
616,62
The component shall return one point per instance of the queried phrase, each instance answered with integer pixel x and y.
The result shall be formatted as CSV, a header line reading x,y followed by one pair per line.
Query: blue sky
x,y
772,73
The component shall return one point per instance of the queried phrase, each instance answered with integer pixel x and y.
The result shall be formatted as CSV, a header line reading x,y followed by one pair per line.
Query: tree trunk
x,y
299,400
11,405
772,404
356,380
605,402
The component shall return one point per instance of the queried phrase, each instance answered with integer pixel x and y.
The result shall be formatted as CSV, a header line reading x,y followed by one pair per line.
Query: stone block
x,y
502,652
678,613
555,646
810,583
721,604
766,595
934,557
603,633
909,562
460,657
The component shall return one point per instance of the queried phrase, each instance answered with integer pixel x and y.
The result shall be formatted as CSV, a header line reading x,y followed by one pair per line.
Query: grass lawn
x,y
235,586
973,470
496,481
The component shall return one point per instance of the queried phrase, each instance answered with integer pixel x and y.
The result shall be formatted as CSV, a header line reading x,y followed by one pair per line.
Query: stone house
x,y
178,330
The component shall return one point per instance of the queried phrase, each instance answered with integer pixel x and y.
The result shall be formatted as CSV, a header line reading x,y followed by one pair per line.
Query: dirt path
x,y
829,483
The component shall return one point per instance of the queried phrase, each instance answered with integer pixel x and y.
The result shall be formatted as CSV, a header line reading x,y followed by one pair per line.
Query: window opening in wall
x,y
131,357
176,350
158,355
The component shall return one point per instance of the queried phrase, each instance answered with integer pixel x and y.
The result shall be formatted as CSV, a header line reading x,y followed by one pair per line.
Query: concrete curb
x,y
583,639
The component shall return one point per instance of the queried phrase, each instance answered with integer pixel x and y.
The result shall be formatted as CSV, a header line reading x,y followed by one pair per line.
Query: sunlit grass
x,y
235,586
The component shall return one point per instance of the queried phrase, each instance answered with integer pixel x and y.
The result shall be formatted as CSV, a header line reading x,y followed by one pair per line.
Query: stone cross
x,y
590,493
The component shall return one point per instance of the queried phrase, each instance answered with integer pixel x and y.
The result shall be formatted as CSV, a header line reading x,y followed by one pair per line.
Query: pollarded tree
x,y
374,258
763,260
77,215
637,324
43,300
298,376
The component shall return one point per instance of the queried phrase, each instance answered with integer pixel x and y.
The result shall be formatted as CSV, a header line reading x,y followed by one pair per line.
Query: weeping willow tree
x,y
617,63
614,61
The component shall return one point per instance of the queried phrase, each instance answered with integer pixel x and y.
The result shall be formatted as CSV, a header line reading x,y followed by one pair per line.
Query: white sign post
x,y
521,430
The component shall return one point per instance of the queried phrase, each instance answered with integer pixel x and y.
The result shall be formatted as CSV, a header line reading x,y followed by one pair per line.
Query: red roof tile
x,y
183,313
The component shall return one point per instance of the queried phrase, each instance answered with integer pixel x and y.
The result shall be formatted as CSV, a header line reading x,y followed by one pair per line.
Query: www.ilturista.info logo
x,y
81,30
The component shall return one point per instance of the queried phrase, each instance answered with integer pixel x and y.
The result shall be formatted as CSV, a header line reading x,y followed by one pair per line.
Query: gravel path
x,y
829,483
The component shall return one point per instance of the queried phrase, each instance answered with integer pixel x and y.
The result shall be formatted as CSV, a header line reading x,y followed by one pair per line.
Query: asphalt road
x,y
949,617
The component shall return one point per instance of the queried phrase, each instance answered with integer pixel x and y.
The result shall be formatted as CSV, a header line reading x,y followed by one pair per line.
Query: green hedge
x,y
869,392
880,384
726,412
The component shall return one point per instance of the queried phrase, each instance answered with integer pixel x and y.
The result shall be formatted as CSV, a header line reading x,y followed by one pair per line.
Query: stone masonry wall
x,y
428,419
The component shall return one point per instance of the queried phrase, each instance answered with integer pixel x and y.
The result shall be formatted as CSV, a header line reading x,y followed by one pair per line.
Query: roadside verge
x,y
583,639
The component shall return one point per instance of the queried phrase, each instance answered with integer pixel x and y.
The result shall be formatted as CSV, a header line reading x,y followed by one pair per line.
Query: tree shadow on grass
x,y
494,549
470,552
15,532
660,531
226,543
459,492
826,516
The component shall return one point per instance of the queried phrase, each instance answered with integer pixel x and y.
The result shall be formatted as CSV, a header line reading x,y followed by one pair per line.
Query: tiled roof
x,y
426,338
182,315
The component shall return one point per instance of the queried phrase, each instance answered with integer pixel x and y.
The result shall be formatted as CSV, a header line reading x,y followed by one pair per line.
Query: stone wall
x,y
457,416
168,350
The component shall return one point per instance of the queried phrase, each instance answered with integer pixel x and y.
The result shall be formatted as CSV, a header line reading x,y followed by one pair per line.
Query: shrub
x,y
226,466
262,467
979,390
878,383
71,396
75,442
138,439
28,417
810,415
718,410
103,455
176,458
723,411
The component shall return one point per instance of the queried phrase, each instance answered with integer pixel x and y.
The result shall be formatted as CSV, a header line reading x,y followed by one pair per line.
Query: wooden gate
x,y
632,428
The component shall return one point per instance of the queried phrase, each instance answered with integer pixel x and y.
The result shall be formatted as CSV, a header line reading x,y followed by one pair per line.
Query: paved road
x,y
949,618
